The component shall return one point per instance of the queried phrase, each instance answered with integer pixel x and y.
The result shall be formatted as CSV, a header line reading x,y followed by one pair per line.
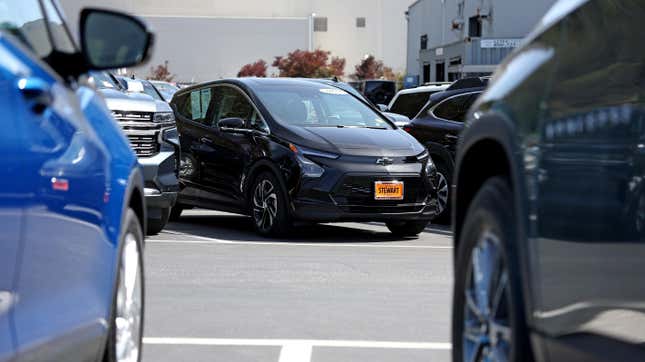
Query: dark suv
x,y
283,150
437,127
549,209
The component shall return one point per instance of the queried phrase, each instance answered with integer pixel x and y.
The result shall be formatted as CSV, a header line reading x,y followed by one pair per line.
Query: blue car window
x,y
62,41
25,21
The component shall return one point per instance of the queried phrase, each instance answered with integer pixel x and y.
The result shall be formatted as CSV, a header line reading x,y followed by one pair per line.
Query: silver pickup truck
x,y
149,124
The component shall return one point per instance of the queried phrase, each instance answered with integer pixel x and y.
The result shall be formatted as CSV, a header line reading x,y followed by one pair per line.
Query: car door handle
x,y
37,92
206,140
451,137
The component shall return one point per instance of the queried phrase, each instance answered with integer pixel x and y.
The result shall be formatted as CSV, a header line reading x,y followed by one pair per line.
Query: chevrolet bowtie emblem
x,y
384,161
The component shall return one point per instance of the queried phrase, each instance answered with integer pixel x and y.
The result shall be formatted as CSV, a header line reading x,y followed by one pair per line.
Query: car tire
x,y
127,345
175,212
156,225
491,305
444,180
406,228
268,206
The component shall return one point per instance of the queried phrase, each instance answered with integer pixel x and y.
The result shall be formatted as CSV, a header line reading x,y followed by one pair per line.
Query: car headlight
x,y
308,167
164,117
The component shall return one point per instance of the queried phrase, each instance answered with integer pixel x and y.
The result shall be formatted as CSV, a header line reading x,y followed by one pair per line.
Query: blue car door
x,y
65,255
13,194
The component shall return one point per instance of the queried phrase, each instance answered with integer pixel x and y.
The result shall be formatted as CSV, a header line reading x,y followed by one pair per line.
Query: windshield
x,y
103,80
318,106
151,91
167,90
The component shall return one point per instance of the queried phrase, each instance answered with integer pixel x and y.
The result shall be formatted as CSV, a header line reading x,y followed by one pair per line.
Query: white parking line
x,y
295,343
295,353
228,242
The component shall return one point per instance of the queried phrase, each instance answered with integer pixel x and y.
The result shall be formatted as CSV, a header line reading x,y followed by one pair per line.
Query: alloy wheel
x,y
442,192
265,205
486,332
129,303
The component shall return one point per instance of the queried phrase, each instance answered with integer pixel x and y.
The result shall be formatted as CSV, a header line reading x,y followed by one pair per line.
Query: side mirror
x,y
231,125
111,39
382,107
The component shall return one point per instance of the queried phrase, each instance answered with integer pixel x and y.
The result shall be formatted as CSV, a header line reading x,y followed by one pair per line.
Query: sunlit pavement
x,y
341,292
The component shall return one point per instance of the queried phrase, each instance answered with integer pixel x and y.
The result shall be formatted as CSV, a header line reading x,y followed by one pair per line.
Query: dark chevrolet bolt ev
x,y
549,219
284,150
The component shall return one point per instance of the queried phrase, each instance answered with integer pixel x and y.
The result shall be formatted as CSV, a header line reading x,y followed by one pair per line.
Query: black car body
x,y
549,207
438,126
232,139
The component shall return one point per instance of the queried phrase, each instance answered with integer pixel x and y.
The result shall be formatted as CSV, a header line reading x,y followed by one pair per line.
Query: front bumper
x,y
327,212
160,176
345,192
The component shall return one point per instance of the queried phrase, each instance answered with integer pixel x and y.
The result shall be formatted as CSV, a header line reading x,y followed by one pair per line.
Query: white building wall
x,y
384,35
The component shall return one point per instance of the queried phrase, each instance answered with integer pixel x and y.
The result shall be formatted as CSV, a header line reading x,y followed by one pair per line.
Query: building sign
x,y
438,52
500,43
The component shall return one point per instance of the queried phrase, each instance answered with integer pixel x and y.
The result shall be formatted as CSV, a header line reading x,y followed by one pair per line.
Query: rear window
x,y
410,104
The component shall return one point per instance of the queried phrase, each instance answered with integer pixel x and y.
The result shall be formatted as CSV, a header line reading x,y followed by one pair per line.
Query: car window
x,y
151,91
24,20
62,41
453,109
318,106
194,105
409,104
228,102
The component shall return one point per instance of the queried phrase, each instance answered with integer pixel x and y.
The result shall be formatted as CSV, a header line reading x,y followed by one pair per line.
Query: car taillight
x,y
407,129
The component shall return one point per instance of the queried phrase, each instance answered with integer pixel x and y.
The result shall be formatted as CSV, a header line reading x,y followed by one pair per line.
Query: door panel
x,y
13,195
590,214
61,285
230,152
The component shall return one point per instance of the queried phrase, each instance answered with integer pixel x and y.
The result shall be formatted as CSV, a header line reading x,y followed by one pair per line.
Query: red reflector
x,y
59,184
407,128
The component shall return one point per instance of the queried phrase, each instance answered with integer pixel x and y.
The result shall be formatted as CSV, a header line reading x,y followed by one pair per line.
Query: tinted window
x,y
313,106
25,21
194,105
410,104
228,102
454,109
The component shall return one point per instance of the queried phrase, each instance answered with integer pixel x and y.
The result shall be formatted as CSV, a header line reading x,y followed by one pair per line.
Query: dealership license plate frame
x,y
379,196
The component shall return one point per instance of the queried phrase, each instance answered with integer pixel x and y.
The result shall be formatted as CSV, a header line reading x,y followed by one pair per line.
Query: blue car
x,y
71,191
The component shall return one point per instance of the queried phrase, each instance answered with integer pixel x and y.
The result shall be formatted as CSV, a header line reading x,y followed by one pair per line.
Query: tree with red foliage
x,y
257,69
306,64
161,72
370,68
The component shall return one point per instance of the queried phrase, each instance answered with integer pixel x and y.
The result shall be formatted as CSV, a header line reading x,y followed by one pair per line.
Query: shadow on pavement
x,y
240,228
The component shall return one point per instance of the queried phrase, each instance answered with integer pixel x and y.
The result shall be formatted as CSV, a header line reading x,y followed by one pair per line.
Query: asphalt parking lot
x,y
215,291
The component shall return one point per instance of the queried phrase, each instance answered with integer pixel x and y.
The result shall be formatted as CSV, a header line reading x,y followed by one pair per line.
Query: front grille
x,y
355,193
142,132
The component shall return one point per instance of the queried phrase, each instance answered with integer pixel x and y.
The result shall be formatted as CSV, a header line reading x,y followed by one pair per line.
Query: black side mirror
x,y
111,39
233,124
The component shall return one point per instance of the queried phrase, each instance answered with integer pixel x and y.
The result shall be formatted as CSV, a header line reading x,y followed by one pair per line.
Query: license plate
x,y
388,190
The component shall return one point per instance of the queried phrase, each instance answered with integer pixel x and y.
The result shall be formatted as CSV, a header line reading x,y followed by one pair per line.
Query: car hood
x,y
356,141
120,101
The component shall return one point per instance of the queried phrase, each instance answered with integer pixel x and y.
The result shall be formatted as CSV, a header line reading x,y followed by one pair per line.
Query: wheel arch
x,y
487,148
135,198
439,153
262,165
